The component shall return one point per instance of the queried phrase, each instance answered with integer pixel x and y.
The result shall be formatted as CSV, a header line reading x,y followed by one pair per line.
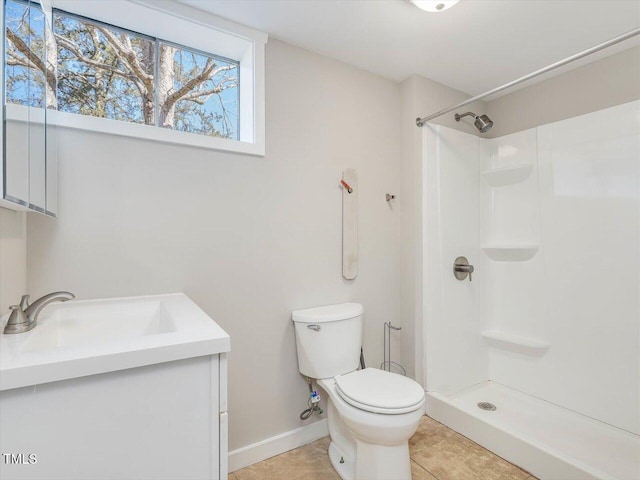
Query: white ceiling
x,y
474,46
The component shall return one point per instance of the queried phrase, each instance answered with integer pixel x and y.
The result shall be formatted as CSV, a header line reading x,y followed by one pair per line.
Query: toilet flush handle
x,y
315,328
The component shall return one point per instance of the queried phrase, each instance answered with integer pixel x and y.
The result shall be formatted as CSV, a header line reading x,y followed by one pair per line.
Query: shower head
x,y
482,122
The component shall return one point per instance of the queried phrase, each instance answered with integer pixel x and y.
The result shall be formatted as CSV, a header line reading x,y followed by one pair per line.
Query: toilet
x,y
371,413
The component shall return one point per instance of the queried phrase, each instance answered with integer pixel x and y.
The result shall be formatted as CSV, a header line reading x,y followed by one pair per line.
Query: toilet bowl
x,y
371,445
371,413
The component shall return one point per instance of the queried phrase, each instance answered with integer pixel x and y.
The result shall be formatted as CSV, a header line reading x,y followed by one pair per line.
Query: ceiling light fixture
x,y
434,5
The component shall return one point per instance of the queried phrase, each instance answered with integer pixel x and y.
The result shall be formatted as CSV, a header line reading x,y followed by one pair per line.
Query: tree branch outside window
x,y
88,68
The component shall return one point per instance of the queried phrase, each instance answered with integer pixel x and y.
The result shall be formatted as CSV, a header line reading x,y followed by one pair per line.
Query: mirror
x,y
29,154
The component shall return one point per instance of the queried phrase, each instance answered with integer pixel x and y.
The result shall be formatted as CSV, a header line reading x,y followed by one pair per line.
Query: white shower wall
x,y
585,276
455,354
565,194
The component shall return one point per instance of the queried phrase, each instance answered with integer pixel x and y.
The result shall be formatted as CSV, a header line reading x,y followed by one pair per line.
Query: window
x,y
205,89
103,72
99,70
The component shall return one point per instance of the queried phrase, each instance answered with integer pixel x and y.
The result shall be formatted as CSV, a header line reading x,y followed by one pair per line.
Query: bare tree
x,y
94,70
35,52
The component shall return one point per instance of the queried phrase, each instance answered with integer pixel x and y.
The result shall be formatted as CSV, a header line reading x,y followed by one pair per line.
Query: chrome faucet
x,y
25,316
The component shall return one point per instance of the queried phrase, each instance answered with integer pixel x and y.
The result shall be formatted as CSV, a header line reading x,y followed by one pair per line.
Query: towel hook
x,y
347,186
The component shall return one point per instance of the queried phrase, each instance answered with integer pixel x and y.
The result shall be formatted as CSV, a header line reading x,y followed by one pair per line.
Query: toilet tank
x,y
328,339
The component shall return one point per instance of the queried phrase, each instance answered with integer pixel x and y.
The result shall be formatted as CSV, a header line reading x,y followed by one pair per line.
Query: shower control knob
x,y
462,269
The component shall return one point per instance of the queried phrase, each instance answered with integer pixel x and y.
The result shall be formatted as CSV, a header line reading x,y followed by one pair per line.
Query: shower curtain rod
x,y
621,38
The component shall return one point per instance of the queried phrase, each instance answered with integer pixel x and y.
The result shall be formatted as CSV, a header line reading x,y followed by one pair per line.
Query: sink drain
x,y
487,406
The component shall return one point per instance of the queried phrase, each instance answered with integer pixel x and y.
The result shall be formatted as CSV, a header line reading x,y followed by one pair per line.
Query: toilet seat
x,y
381,392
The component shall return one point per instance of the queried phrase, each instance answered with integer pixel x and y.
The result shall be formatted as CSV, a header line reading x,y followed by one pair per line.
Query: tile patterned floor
x,y
437,453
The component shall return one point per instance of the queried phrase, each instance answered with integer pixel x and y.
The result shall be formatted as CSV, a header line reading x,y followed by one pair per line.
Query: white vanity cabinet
x,y
164,421
28,174
139,394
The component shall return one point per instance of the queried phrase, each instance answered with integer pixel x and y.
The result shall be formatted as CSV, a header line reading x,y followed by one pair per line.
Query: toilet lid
x,y
379,391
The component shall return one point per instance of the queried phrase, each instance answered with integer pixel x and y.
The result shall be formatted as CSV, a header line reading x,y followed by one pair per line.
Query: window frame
x,y
192,29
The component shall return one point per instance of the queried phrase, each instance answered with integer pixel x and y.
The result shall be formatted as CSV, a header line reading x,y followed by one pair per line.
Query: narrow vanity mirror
x,y
29,156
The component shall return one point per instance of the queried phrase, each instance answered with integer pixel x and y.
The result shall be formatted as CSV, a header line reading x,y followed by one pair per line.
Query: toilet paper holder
x,y
387,364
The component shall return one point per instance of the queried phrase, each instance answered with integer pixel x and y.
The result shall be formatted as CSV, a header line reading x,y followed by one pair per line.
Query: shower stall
x,y
537,355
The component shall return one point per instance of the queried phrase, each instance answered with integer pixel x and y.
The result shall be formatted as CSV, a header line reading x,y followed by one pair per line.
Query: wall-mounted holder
x,y
390,197
347,186
349,224
388,364
515,343
507,175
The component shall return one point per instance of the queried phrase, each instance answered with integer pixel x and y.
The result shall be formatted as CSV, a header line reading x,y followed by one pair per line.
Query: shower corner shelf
x,y
507,175
529,346
510,253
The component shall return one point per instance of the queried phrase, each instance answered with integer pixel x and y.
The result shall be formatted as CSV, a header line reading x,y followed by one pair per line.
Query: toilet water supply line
x,y
313,402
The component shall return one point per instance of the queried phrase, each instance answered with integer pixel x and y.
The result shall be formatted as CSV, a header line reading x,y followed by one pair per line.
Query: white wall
x,y
13,258
611,81
248,239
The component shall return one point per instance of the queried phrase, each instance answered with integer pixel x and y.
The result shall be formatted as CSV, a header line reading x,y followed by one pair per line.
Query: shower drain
x,y
487,406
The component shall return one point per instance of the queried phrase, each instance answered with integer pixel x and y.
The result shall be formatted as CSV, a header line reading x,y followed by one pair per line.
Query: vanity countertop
x,y
87,337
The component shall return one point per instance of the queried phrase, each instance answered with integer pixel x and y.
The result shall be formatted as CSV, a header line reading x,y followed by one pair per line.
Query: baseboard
x,y
270,447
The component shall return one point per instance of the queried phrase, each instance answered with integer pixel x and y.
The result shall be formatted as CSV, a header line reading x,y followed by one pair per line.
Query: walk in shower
x,y
548,330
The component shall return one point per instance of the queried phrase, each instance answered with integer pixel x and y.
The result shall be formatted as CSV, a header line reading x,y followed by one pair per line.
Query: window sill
x,y
107,126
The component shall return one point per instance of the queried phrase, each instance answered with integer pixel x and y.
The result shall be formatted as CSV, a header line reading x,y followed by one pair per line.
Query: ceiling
x,y
473,47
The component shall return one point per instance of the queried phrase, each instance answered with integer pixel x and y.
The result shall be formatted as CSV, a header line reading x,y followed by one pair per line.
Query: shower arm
x,y
458,116
620,38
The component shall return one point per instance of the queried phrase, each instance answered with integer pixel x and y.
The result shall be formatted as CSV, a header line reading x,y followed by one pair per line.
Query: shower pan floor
x,y
543,438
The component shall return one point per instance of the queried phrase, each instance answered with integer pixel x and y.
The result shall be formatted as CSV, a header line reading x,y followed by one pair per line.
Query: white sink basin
x,y
78,338
85,323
